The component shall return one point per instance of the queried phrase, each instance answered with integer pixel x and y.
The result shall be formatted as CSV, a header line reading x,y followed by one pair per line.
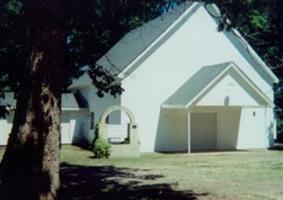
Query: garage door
x,y
4,132
67,128
65,133
203,131
5,128
66,137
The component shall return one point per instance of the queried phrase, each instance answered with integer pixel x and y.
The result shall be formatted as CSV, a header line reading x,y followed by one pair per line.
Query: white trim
x,y
73,109
208,86
252,52
176,106
257,58
240,73
212,106
156,41
189,133
217,78
250,83
195,5
265,131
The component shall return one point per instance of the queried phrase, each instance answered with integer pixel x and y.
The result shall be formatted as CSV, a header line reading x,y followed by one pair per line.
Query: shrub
x,y
101,148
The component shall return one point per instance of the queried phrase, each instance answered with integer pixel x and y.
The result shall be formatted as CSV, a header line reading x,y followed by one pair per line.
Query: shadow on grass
x,y
277,147
111,183
108,182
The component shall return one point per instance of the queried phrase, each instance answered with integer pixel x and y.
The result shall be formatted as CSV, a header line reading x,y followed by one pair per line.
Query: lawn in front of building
x,y
222,175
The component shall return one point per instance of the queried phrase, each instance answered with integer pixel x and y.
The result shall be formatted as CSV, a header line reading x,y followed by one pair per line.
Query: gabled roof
x,y
137,41
238,40
200,83
138,44
69,101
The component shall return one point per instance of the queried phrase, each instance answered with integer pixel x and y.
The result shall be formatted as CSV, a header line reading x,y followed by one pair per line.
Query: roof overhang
x,y
70,102
235,34
73,109
214,75
134,62
245,45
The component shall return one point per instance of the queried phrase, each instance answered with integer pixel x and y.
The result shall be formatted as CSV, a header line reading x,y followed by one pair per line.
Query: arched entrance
x,y
122,144
111,109
118,133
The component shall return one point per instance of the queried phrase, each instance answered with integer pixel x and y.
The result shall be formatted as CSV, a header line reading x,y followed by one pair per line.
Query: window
x,y
92,117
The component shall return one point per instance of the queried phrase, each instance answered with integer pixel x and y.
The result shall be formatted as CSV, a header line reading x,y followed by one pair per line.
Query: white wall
x,y
78,124
74,126
242,128
98,106
228,122
197,43
172,134
231,92
256,129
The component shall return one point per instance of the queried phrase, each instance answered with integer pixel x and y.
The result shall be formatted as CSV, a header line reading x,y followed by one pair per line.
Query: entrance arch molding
x,y
111,109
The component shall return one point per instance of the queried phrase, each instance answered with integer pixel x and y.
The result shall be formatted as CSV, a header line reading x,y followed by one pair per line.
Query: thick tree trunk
x,y
31,161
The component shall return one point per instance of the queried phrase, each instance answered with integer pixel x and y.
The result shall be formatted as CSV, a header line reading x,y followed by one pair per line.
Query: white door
x,y
65,133
2,133
203,131
5,129
65,129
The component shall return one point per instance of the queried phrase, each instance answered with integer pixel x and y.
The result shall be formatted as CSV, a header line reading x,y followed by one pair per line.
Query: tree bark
x,y
31,161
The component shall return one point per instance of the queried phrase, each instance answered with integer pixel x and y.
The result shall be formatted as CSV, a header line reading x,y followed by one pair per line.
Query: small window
x,y
92,117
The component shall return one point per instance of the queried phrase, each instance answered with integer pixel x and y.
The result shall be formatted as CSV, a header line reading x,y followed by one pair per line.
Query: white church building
x,y
187,86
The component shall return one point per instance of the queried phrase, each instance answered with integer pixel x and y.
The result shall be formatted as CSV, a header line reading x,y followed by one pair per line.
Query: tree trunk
x,y
31,161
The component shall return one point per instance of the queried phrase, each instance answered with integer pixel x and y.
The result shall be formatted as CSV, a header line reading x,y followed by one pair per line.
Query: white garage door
x,y
66,133
5,128
203,131
67,128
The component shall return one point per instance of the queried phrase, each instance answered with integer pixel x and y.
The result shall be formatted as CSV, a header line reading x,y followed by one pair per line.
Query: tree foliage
x,y
45,45
91,27
261,24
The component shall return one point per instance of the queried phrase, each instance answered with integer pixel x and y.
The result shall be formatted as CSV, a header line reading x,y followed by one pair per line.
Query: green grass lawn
x,y
226,175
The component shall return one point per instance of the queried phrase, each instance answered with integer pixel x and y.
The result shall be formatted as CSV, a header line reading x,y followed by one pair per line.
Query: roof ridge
x,y
140,39
206,78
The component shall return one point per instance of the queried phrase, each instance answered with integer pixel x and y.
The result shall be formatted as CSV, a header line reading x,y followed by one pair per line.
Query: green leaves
x,y
101,148
105,81
259,20
14,7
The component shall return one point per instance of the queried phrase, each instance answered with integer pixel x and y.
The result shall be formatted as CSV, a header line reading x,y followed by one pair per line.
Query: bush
x,y
101,148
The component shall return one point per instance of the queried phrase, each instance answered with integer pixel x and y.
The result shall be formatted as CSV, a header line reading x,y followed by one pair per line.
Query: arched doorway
x,y
123,137
111,109
118,133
